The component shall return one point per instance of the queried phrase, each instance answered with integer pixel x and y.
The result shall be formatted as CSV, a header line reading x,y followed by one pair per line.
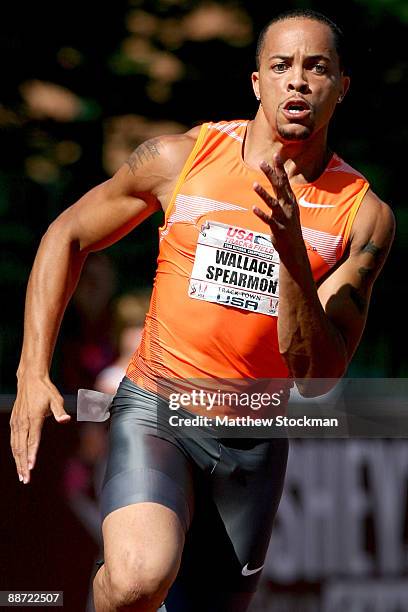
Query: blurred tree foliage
x,y
84,83
398,8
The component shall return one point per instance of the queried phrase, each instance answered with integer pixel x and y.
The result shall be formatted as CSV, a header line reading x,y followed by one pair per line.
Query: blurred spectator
x,y
87,344
50,101
212,20
82,482
129,315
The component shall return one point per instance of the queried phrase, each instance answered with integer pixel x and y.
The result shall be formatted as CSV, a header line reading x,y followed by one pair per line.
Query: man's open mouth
x,y
296,107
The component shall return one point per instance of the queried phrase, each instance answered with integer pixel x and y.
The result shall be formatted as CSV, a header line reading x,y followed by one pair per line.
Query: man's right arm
x,y
101,217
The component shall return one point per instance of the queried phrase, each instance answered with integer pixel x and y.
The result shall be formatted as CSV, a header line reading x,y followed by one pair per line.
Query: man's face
x,y
299,79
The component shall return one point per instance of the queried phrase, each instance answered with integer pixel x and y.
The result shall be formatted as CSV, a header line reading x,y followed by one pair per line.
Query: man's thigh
x,y
144,463
144,539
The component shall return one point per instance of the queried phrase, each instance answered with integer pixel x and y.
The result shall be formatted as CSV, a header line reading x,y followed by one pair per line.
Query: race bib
x,y
236,267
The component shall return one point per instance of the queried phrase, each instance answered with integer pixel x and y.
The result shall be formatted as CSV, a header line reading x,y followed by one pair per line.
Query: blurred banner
x,y
340,537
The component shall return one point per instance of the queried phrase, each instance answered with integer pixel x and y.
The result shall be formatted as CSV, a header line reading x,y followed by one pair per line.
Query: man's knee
x,y
141,585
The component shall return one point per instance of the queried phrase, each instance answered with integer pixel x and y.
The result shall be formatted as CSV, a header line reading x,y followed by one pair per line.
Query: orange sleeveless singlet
x,y
214,306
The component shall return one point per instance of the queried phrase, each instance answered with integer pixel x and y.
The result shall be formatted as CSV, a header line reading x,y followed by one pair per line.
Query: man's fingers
x,y
277,217
34,437
268,219
19,447
279,180
267,198
14,447
57,409
269,172
33,404
278,163
261,214
285,190
13,444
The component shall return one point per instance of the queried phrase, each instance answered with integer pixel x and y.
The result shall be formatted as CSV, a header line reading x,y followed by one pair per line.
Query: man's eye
x,y
281,67
320,68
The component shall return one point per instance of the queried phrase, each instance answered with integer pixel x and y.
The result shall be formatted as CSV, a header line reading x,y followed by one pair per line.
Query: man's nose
x,y
297,81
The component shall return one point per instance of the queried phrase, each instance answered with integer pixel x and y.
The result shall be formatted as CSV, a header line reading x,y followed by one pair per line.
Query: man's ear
x,y
345,87
255,84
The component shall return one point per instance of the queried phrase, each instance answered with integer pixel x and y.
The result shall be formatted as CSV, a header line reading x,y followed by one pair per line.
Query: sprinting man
x,y
188,521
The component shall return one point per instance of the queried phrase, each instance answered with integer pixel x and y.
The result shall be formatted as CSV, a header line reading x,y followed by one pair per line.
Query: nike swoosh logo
x,y
306,204
248,572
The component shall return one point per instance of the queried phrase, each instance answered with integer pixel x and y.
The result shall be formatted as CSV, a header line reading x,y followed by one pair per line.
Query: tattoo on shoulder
x,y
372,248
145,152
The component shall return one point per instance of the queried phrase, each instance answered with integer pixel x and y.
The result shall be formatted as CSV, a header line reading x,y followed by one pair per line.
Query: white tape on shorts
x,y
93,405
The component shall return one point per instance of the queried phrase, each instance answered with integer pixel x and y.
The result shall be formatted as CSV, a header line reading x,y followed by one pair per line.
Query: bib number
x,y
236,267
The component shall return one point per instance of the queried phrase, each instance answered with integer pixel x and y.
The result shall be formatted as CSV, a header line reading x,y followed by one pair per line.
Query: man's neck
x,y
304,160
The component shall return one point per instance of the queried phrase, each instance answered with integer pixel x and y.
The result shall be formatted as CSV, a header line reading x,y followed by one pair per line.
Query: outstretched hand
x,y
283,220
36,399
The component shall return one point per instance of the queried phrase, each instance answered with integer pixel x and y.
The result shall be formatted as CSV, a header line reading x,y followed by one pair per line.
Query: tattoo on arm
x,y
145,152
364,273
370,247
360,296
357,295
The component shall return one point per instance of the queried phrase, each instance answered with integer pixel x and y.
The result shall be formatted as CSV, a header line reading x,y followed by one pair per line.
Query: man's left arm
x,y
320,328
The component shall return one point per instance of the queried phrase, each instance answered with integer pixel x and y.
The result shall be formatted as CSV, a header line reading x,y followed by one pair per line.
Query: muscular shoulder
x,y
170,152
154,166
374,226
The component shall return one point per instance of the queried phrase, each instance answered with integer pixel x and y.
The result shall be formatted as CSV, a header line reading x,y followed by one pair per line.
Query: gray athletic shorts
x,y
225,491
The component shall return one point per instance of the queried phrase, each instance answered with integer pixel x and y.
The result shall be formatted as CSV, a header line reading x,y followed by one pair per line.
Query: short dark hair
x,y
339,39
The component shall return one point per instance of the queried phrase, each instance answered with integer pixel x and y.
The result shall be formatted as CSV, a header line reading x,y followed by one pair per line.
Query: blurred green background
x,y
84,83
